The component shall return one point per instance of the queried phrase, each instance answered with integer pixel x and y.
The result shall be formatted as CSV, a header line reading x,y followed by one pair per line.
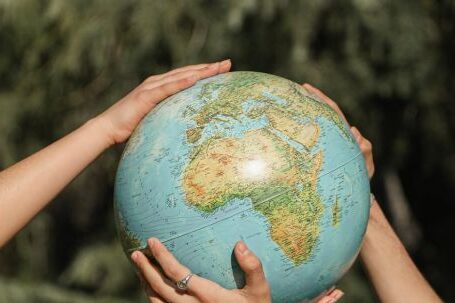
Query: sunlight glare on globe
x,y
254,169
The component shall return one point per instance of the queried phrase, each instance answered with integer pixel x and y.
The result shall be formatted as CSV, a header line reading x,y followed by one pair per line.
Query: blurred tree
x,y
388,64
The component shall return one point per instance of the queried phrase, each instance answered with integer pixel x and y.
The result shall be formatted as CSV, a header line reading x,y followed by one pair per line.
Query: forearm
x,y
29,185
26,187
392,272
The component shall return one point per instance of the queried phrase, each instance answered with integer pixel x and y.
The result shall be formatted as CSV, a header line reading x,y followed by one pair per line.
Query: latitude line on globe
x,y
257,203
228,217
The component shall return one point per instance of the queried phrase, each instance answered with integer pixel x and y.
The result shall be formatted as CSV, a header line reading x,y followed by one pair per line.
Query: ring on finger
x,y
183,283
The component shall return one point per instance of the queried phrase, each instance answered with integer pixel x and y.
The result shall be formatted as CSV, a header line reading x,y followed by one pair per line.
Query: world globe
x,y
246,156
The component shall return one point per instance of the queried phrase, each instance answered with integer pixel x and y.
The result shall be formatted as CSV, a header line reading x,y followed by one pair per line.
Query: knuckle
x,y
254,264
151,78
366,147
174,272
264,291
141,263
207,297
164,90
211,296
143,95
158,286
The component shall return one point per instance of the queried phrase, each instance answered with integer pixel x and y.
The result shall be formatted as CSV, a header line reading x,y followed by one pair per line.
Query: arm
x,y
29,185
389,266
392,271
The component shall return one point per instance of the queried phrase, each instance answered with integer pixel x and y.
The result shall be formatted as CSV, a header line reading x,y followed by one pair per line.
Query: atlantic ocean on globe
x,y
247,156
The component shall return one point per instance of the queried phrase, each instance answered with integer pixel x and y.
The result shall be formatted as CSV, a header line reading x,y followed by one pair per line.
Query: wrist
x,y
97,128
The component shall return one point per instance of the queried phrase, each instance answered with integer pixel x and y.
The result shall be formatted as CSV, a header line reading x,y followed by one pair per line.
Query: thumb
x,y
256,283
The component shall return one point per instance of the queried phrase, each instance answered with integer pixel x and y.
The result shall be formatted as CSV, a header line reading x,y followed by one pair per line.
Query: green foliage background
x,y
387,63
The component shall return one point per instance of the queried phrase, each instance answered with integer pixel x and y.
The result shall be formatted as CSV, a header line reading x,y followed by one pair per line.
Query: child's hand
x,y
365,146
118,122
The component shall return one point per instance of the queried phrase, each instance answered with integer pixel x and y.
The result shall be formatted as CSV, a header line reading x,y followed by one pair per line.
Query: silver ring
x,y
183,284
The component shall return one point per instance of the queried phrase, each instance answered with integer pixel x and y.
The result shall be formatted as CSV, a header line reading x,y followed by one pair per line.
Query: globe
x,y
246,156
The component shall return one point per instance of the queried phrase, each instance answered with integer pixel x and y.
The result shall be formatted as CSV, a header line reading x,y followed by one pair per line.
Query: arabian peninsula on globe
x,y
247,156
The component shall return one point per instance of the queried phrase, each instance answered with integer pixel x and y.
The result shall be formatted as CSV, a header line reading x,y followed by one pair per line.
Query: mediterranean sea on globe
x,y
247,156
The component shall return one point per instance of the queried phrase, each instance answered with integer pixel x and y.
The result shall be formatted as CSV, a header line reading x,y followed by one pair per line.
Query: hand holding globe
x,y
271,149
247,156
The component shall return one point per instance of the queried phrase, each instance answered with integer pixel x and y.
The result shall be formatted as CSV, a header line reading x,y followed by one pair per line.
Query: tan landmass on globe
x,y
261,165
306,134
225,167
266,169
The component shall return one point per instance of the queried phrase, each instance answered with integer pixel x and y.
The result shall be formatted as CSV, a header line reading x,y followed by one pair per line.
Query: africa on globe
x,y
246,156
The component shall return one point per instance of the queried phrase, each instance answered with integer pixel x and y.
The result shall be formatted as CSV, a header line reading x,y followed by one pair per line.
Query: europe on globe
x,y
247,156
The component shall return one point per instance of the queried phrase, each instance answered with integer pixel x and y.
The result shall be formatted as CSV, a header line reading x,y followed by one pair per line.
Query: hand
x,y
365,146
160,286
119,121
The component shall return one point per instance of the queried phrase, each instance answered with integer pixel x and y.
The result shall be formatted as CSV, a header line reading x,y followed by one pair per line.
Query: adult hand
x,y
160,286
118,121
365,146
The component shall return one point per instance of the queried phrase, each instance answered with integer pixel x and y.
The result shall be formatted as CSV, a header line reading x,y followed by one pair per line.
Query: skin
x,y
29,185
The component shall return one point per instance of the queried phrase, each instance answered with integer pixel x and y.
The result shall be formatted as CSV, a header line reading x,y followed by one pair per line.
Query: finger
x,y
205,72
313,90
205,290
151,97
177,70
355,132
158,283
152,296
336,294
256,282
367,150
223,64
332,297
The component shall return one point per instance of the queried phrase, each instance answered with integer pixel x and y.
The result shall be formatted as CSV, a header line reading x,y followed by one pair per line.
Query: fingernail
x,y
242,248
339,295
225,62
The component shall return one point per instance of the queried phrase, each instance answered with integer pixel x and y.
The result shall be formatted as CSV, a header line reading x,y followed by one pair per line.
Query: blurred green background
x,y
388,64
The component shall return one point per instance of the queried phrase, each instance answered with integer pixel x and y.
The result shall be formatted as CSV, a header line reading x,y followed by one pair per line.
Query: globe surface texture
x,y
247,156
